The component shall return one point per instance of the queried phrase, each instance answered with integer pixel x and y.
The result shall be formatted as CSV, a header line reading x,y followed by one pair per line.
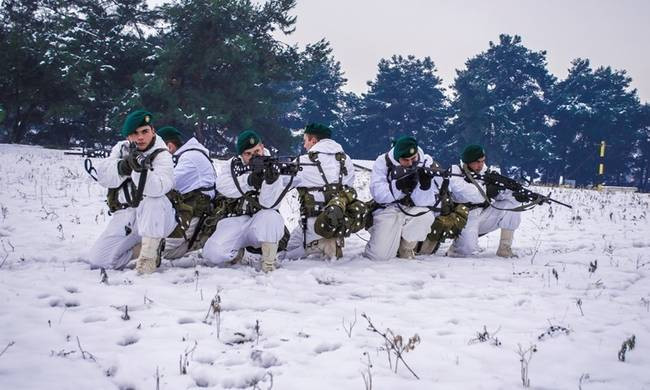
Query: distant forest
x,y
70,70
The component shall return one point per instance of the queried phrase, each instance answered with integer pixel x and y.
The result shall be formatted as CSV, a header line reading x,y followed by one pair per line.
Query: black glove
x,y
424,176
407,183
136,161
491,190
123,168
523,197
271,174
255,179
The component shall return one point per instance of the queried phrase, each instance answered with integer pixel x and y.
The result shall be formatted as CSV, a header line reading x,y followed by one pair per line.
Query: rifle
x,y
285,165
506,183
90,153
432,171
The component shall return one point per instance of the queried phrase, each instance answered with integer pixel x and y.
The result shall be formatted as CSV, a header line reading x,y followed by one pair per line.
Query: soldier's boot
x,y
428,247
269,256
406,249
135,251
328,247
505,243
148,258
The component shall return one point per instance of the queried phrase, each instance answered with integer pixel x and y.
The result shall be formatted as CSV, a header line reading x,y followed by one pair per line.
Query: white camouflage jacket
x,y
380,188
310,176
269,193
160,179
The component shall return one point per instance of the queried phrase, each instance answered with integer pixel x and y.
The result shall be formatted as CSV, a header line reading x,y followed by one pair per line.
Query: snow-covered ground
x,y
301,327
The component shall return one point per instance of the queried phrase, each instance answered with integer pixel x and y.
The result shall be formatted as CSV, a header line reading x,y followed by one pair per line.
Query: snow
x,y
291,328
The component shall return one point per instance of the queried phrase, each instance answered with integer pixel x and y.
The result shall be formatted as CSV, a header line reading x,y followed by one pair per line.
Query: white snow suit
x,y
154,217
235,233
193,170
480,220
311,177
390,224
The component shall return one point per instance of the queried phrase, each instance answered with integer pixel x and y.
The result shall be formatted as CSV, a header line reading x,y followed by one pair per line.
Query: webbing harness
x,y
405,201
316,207
176,158
252,197
132,193
488,202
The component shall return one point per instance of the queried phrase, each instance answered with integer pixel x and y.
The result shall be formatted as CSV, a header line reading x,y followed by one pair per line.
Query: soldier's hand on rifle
x,y
492,190
523,197
425,176
407,182
137,161
123,168
271,174
255,179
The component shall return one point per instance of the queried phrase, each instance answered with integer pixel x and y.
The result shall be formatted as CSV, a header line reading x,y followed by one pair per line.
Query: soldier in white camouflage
x,y
139,173
329,208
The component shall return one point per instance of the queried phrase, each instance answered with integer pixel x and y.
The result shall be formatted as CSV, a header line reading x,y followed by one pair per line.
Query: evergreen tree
x,y
502,102
321,81
406,98
220,70
595,106
30,86
105,44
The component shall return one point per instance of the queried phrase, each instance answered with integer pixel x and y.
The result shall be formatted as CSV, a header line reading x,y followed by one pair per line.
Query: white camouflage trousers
x,y
482,221
154,218
390,225
235,233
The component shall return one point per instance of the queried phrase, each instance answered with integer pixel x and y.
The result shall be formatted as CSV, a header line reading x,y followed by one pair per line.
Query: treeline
x,y
70,70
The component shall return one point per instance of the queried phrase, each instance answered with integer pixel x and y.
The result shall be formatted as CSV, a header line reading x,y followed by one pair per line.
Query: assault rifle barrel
x,y
504,182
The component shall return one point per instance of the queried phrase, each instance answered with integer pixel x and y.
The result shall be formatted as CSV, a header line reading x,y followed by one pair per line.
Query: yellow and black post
x,y
601,164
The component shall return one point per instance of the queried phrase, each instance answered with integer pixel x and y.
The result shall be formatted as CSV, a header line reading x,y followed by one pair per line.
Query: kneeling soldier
x,y
329,208
194,189
138,174
483,217
252,200
402,188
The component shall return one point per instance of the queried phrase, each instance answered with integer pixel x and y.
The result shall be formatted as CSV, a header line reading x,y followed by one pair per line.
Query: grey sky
x,y
614,33
361,32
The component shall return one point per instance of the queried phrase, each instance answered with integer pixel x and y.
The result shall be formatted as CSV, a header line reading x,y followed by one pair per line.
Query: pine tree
x,y
320,85
406,98
595,106
220,70
30,87
502,102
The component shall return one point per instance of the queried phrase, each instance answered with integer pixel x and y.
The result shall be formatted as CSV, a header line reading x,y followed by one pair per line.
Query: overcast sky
x,y
361,32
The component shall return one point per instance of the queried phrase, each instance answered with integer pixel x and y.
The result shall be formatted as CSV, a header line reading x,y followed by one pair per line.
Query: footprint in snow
x,y
326,347
93,318
128,340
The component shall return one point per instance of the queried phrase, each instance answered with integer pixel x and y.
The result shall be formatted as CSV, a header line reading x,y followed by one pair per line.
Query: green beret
x,y
472,153
318,130
404,147
168,133
246,140
134,120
